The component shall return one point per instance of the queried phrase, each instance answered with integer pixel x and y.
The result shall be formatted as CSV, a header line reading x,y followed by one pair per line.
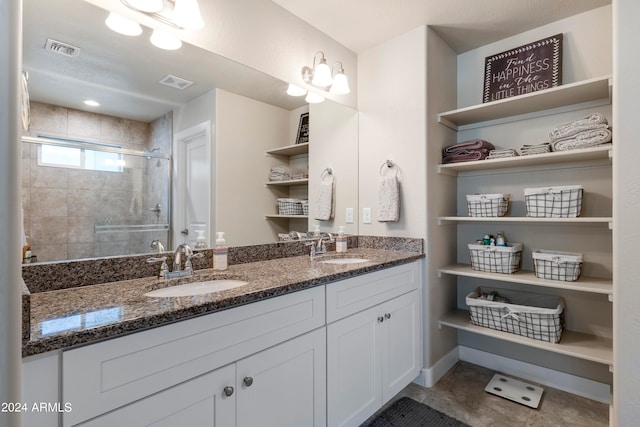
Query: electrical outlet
x,y
366,215
349,216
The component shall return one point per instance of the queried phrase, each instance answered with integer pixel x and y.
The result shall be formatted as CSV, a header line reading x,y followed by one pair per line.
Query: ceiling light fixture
x,y
321,76
123,25
179,14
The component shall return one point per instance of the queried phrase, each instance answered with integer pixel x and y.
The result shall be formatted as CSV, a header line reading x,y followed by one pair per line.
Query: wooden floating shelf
x,y
525,219
287,216
584,284
575,344
602,152
290,150
570,96
289,182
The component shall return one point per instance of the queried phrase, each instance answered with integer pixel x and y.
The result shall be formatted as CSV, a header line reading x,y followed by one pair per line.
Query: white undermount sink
x,y
196,288
344,261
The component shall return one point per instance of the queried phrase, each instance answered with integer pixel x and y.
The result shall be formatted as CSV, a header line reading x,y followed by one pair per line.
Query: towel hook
x,y
326,172
389,164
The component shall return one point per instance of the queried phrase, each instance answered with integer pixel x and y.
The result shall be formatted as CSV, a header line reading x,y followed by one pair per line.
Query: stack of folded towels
x,y
542,148
589,131
502,153
467,151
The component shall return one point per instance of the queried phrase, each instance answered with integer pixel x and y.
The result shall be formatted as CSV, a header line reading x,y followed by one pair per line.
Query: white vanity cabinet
x,y
374,346
282,386
102,377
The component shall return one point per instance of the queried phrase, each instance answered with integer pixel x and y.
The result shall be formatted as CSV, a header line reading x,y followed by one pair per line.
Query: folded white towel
x,y
389,199
324,203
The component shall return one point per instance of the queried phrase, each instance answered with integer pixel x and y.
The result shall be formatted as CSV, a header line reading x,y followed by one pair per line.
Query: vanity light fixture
x,y
165,41
314,98
179,14
321,76
340,84
294,90
146,5
122,25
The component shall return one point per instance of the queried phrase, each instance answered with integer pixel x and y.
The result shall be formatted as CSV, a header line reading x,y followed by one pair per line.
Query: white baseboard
x,y
430,376
560,380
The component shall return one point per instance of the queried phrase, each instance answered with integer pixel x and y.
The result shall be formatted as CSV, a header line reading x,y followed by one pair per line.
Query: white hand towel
x,y
324,203
389,199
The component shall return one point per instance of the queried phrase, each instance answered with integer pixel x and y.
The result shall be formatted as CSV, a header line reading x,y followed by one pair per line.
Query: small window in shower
x,y
80,158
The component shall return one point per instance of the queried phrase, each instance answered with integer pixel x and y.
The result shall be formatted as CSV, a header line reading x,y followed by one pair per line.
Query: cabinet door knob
x,y
387,316
228,391
380,319
247,381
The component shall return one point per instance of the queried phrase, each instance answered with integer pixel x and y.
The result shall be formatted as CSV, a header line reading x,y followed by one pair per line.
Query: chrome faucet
x,y
181,250
320,246
177,257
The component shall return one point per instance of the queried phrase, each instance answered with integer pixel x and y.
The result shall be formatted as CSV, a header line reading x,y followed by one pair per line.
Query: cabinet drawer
x,y
104,376
359,293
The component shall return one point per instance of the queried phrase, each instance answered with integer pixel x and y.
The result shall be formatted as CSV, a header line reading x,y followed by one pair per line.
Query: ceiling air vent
x,y
175,82
61,48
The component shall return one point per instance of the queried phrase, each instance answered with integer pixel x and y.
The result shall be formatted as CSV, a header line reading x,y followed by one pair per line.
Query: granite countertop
x,y
67,317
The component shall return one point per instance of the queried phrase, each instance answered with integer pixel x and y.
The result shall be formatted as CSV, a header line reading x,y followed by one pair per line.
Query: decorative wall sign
x,y
303,129
525,69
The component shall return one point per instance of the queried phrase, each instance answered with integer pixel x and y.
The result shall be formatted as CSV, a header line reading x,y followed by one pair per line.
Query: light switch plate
x,y
366,215
349,216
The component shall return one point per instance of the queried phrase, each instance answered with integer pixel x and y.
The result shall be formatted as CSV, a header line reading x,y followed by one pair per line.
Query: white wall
x,y
626,234
245,130
392,106
259,34
586,52
333,135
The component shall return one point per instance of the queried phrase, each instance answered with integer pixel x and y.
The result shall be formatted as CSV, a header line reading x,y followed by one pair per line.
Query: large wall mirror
x,y
104,181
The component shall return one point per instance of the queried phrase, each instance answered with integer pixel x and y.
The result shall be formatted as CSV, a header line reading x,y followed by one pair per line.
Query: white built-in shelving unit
x,y
570,97
289,153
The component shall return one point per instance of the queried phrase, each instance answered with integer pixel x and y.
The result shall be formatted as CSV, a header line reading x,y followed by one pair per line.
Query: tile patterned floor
x,y
460,394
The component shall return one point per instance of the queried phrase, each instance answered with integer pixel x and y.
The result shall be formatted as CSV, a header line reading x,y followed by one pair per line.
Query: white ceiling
x,y
463,24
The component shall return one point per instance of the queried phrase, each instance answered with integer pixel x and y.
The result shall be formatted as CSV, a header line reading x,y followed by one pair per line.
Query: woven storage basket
x,y
305,207
554,202
289,207
488,205
536,316
496,259
555,265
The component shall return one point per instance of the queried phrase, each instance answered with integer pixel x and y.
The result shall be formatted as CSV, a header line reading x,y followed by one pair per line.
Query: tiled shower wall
x,y
61,206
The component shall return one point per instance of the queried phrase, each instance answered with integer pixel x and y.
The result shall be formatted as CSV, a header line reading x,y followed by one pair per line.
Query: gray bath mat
x,y
407,412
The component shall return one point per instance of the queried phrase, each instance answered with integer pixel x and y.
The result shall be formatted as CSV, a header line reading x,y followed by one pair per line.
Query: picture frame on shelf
x,y
524,69
303,129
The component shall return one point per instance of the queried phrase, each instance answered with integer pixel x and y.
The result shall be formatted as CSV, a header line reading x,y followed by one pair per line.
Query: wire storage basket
x,y
488,205
289,207
305,207
496,259
536,316
556,265
554,202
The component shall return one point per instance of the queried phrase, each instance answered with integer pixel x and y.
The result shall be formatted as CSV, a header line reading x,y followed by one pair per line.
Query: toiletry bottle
x,y
341,240
486,240
316,231
220,253
500,241
201,242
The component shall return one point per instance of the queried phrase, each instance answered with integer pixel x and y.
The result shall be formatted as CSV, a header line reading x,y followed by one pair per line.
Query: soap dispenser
x,y
220,253
341,240
201,242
